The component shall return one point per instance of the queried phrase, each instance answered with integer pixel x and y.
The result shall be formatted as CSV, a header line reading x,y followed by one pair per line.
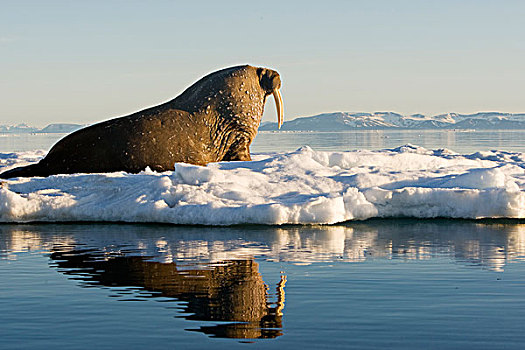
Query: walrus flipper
x,y
24,171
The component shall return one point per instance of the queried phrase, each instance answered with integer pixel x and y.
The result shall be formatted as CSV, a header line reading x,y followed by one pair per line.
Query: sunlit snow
x,y
300,187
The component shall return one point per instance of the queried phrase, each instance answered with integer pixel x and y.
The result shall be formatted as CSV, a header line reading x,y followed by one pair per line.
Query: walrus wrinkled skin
x,y
215,119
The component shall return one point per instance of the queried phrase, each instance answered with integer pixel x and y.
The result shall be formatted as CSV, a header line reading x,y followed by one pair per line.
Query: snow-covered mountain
x,y
51,128
340,121
61,128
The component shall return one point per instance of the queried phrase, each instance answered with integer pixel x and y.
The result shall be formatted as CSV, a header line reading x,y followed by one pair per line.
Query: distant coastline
x,y
23,128
343,121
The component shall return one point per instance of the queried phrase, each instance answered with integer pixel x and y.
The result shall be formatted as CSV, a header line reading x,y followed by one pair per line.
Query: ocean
x,y
397,283
457,140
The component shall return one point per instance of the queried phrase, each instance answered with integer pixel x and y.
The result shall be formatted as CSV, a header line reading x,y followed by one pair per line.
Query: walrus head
x,y
271,82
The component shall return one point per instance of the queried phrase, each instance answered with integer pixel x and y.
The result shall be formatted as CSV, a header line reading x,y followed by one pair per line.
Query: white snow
x,y
300,187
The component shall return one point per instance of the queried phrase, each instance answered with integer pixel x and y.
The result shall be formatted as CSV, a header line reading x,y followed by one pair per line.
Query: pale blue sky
x,y
85,61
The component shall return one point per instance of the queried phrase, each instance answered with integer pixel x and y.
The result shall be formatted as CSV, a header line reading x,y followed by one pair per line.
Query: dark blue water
x,y
396,284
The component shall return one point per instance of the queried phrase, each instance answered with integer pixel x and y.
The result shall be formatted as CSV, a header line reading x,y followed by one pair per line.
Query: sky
x,y
87,61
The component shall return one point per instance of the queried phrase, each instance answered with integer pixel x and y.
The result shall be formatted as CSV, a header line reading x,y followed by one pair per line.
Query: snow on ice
x,y
300,187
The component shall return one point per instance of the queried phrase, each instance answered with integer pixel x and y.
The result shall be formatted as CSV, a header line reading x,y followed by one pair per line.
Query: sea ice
x,y
300,187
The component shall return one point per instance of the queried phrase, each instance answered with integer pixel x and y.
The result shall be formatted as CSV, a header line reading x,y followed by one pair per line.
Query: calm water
x,y
459,141
395,284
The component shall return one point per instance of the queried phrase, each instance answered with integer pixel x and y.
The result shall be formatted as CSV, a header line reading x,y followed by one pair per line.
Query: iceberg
x,y
300,187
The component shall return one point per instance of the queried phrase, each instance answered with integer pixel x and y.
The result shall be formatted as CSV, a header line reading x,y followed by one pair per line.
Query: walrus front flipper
x,y
24,171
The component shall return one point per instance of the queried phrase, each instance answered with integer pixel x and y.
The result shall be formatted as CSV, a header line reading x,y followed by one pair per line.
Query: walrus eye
x,y
279,105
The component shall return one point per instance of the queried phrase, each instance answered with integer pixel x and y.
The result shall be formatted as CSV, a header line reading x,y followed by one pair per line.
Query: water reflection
x,y
215,271
230,291
491,245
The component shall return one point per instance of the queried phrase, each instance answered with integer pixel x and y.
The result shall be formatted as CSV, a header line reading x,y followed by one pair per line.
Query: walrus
x,y
213,120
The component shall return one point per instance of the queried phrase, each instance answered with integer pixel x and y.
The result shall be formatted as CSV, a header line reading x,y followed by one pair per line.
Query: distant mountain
x,y
51,128
61,128
340,121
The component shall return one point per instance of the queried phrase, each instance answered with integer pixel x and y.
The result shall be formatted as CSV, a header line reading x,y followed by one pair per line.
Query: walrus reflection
x,y
229,291
215,119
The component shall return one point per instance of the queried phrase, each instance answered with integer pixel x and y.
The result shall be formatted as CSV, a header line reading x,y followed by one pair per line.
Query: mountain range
x,y
340,121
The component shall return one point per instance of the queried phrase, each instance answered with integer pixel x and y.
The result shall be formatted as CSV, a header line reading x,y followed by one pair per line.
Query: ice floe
x,y
300,187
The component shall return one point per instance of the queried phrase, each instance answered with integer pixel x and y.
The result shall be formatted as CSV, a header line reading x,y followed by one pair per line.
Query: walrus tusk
x,y
279,105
